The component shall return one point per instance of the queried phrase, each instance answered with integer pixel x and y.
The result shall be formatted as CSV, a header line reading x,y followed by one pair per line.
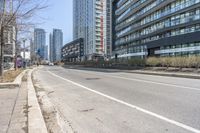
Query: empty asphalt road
x,y
118,102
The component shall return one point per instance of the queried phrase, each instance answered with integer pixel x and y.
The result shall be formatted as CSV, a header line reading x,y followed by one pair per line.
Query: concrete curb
x,y
179,75
168,74
16,83
36,122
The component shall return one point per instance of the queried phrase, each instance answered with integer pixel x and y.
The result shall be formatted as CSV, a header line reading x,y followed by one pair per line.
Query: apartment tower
x,y
55,45
90,23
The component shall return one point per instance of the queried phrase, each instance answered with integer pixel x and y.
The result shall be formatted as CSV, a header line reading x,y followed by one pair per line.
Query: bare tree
x,y
17,14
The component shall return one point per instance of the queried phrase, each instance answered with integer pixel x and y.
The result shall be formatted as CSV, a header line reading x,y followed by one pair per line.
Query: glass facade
x,y
1,5
180,49
57,44
143,23
40,42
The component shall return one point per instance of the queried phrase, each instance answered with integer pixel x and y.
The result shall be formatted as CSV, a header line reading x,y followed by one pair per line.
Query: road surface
x,y
118,102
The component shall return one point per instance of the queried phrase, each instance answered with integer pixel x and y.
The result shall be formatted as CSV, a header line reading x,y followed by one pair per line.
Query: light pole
x,y
24,53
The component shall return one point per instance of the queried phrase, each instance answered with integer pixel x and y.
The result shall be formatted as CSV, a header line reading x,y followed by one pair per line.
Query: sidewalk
x,y
13,111
19,108
7,102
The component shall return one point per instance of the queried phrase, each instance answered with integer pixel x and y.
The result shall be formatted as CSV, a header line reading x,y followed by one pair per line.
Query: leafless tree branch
x,y
20,14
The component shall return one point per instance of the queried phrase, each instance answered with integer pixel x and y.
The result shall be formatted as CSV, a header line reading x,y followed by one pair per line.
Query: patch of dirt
x,y
24,78
53,120
25,128
10,75
36,85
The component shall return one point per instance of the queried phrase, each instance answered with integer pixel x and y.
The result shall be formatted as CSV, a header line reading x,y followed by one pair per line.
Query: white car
x,y
51,64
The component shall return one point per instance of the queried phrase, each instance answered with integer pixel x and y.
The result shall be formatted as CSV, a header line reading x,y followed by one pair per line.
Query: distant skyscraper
x,y
1,5
56,43
51,48
40,42
89,21
46,57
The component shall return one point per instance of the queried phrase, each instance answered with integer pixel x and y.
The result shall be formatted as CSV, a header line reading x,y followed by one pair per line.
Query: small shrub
x,y
179,62
191,61
153,61
165,61
137,62
197,62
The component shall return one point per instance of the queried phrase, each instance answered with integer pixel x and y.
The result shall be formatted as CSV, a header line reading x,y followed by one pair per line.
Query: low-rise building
x,y
73,51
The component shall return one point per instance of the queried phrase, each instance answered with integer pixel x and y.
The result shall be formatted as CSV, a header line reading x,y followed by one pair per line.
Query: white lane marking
x,y
173,122
145,81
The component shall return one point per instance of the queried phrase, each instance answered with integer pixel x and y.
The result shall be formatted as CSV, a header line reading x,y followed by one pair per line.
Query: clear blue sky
x,y
59,15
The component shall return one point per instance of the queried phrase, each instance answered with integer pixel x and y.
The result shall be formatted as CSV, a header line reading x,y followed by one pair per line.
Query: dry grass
x,y
153,61
178,62
9,76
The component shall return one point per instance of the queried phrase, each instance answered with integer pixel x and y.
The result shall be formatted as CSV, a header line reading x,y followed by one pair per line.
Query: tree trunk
x,y
2,51
15,57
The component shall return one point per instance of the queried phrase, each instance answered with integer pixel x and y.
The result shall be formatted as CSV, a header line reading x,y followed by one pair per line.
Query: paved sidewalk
x,y
13,110
7,102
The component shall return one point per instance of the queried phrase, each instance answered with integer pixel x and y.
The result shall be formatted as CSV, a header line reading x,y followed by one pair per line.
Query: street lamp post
x,y
24,53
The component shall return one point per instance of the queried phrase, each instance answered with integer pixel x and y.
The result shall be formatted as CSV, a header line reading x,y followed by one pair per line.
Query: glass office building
x,y
51,48
1,5
39,42
156,28
57,43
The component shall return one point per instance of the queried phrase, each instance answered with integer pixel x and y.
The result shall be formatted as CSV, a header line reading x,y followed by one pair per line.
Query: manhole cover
x,y
92,78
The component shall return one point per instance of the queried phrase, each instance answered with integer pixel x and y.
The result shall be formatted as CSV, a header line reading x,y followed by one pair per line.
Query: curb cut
x,y
36,122
16,83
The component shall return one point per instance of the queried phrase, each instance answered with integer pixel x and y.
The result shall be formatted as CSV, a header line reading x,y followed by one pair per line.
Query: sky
x,y
59,15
